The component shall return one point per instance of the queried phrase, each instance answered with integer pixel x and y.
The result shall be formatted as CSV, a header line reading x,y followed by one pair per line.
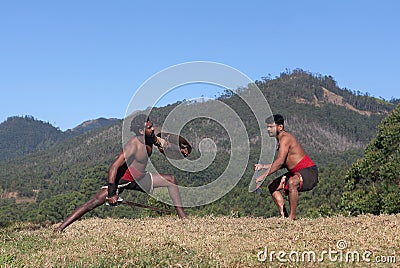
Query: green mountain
x,y
24,135
333,124
92,125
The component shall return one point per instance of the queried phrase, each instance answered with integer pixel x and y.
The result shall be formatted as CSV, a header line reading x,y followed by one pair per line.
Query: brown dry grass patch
x,y
199,242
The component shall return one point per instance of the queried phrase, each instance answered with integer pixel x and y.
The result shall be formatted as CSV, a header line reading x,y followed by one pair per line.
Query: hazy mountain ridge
x,y
24,135
92,125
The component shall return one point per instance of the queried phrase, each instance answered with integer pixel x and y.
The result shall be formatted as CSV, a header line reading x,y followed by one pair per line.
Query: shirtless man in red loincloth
x,y
128,172
302,175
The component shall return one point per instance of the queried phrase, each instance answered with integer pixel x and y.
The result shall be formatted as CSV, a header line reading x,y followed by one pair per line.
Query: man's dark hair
x,y
276,118
138,122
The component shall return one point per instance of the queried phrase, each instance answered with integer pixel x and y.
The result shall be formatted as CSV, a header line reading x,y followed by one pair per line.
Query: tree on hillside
x,y
373,182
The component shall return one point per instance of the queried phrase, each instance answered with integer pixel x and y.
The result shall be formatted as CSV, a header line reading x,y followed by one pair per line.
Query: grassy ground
x,y
364,241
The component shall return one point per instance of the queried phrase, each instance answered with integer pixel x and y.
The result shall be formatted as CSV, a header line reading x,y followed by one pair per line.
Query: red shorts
x,y
132,174
307,172
305,162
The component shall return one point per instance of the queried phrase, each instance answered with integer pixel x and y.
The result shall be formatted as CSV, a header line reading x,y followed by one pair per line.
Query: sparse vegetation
x,y
205,242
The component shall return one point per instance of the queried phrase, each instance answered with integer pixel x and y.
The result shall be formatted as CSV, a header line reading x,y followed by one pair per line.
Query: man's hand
x,y
258,167
260,179
261,166
161,143
113,200
184,151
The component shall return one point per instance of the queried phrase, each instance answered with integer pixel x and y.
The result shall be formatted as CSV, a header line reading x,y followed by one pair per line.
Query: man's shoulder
x,y
134,140
287,136
291,135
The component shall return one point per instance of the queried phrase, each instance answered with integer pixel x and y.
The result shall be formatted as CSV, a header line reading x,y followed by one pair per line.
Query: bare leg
x,y
169,181
97,200
277,196
278,199
293,195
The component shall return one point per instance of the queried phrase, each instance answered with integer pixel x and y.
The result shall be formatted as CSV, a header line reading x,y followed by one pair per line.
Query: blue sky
x,y
65,62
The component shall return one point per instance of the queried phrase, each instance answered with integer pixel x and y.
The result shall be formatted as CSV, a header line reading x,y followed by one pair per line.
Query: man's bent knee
x,y
272,188
294,183
275,185
171,179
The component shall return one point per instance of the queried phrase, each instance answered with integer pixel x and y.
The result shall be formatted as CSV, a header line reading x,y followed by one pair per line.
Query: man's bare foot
x,y
57,230
283,212
180,212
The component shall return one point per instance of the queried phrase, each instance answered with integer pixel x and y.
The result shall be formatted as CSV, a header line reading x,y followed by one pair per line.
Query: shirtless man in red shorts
x,y
302,175
128,172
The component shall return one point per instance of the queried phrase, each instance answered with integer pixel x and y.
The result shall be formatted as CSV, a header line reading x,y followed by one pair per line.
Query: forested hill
x,y
324,116
333,124
309,88
21,135
92,125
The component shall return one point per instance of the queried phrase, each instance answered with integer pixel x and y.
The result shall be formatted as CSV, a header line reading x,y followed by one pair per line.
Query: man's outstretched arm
x,y
127,153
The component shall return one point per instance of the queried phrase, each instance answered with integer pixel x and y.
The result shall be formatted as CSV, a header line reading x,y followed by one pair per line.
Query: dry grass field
x,y
364,241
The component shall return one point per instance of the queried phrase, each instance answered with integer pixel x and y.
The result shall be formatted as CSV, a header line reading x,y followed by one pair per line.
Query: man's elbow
x,y
112,170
